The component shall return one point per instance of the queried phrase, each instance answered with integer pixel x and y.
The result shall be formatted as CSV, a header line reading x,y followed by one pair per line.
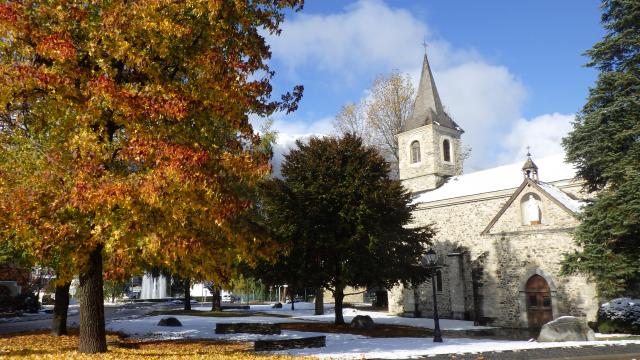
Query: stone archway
x,y
536,283
539,311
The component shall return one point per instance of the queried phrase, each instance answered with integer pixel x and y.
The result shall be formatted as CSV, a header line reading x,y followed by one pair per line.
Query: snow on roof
x,y
551,168
563,198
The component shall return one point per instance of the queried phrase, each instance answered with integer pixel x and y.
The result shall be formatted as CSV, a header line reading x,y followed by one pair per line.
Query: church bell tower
x,y
429,143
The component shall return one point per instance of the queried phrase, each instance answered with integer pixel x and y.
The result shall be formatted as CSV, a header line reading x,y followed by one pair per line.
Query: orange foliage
x,y
45,346
124,126
57,46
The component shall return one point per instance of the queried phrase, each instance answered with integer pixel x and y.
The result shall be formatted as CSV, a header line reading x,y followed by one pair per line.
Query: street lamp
x,y
431,259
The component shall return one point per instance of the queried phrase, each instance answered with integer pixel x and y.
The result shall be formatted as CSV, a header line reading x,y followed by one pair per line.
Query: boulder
x,y
620,315
277,306
566,328
170,321
362,322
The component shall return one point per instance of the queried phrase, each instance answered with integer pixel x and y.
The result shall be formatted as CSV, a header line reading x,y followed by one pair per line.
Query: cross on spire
x,y
425,45
528,150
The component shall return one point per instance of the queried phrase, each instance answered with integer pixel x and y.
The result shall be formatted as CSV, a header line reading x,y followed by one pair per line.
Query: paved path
x,y
110,313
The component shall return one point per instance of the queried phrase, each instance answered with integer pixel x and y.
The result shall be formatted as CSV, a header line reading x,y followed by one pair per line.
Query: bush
x,y
620,315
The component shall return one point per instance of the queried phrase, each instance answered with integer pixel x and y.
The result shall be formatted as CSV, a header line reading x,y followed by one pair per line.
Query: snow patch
x,y
571,204
550,169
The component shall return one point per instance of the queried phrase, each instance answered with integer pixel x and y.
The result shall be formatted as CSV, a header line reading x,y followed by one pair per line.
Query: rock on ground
x,y
362,322
170,321
566,328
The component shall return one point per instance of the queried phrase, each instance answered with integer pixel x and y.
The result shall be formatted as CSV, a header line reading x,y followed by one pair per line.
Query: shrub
x,y
620,315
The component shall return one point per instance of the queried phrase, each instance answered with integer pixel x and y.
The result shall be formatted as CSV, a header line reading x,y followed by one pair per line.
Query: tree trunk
x,y
416,302
291,296
216,299
319,301
339,297
187,294
60,309
93,338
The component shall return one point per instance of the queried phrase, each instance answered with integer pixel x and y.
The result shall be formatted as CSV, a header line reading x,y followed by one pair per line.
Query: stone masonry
x,y
484,273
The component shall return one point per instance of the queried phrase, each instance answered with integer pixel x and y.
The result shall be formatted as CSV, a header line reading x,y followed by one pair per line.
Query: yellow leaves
x,y
153,244
39,345
97,230
143,144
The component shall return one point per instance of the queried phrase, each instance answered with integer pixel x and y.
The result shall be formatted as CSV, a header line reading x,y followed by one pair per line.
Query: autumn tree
x,y
379,117
352,119
605,148
124,136
345,219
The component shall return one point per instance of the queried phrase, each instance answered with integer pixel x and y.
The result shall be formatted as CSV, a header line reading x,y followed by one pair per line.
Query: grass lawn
x,y
41,345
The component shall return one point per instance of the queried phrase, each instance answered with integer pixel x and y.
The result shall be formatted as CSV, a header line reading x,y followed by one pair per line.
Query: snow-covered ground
x,y
339,346
44,313
304,311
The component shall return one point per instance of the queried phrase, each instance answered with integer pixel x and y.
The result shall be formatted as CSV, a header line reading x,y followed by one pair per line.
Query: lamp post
x,y
431,260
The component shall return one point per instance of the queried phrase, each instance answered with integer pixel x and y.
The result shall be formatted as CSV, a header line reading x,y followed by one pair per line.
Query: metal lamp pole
x,y
432,258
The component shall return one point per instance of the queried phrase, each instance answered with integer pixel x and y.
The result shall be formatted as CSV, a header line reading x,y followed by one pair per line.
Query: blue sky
x,y
510,72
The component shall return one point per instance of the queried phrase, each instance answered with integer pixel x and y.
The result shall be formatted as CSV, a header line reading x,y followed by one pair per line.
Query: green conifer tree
x,y
605,147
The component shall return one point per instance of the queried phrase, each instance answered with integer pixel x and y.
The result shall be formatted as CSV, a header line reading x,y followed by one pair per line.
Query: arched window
x,y
530,209
446,151
415,152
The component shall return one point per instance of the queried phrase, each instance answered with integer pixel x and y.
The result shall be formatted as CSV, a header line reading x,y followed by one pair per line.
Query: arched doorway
x,y
538,295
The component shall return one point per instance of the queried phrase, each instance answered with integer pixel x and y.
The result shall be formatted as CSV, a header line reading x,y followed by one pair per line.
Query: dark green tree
x,y
347,223
605,147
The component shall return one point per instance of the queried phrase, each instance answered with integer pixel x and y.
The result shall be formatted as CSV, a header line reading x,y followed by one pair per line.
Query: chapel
x,y
501,232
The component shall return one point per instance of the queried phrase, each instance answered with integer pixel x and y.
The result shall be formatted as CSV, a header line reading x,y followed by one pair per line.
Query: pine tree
x,y
605,147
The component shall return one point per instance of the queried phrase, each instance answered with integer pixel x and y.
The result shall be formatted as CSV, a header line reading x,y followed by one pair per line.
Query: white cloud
x,y
372,37
484,100
542,133
366,34
368,37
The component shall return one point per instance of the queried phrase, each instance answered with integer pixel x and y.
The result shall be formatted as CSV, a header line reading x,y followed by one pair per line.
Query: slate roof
x,y
427,108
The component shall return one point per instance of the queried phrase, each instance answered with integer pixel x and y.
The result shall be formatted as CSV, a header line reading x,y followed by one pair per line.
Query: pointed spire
x,y
530,169
427,107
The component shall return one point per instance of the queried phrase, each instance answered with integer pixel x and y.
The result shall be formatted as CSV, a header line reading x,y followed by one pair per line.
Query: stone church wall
x,y
501,260
472,215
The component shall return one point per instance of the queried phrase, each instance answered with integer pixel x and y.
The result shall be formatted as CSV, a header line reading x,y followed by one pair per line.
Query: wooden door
x,y
538,301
